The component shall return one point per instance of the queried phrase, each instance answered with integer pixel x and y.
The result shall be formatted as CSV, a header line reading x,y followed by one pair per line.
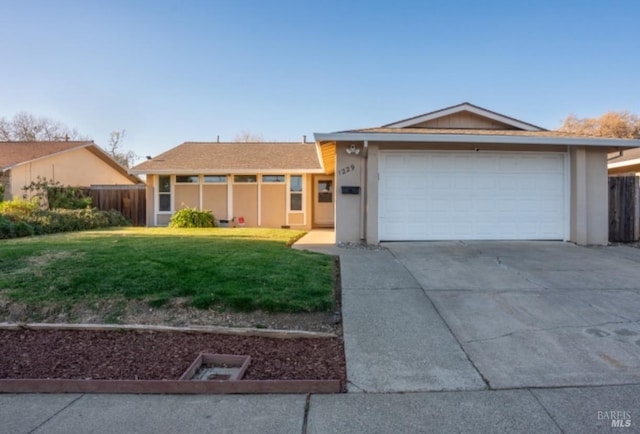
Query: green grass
x,y
241,269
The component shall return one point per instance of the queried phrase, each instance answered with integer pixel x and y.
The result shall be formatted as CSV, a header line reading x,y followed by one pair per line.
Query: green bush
x,y
40,222
19,209
7,228
192,218
53,195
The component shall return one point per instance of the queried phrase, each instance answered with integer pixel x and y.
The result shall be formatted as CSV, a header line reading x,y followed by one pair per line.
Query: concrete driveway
x,y
427,316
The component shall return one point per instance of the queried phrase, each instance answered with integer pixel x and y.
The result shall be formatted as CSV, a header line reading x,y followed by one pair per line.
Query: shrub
x,y
19,209
7,228
191,218
54,195
41,222
24,229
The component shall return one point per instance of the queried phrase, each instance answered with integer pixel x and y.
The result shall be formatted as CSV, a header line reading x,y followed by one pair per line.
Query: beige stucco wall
x,y
186,196
76,168
588,210
349,172
273,203
245,203
589,201
151,199
214,199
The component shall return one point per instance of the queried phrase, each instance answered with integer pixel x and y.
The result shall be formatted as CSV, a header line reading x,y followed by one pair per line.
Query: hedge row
x,y
40,222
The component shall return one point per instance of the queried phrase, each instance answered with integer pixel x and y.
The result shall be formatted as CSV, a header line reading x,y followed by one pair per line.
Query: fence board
x,y
130,200
624,208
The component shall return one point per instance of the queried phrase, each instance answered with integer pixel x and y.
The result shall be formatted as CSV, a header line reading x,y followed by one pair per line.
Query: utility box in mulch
x,y
217,367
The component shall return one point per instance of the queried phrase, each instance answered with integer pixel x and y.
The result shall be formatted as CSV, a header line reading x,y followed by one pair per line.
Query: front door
x,y
323,201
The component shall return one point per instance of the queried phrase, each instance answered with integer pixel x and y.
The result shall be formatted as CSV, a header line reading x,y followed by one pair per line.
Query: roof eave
x,y
624,163
476,138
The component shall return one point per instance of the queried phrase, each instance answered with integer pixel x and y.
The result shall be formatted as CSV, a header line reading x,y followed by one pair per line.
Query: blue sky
x,y
175,71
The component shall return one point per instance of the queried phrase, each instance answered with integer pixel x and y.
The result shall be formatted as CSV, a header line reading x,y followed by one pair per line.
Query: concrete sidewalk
x,y
570,410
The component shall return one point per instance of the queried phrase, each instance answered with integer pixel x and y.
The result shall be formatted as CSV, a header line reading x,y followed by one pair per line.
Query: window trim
x,y
205,182
301,193
169,193
187,183
284,179
245,182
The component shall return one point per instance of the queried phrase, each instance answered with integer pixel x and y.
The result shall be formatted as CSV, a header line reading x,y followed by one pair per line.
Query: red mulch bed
x,y
134,355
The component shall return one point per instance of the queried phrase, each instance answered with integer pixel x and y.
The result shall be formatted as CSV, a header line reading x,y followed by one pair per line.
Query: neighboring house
x,y
462,172
624,162
79,164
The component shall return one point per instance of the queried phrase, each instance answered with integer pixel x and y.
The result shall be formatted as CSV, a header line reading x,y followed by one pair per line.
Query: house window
x,y
187,179
215,179
295,193
272,178
245,178
164,193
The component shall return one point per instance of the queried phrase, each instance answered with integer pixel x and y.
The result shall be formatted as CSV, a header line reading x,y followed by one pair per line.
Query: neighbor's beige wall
x,y
214,199
273,203
76,168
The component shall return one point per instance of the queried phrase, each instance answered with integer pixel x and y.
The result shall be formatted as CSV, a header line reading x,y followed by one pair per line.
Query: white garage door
x,y
434,195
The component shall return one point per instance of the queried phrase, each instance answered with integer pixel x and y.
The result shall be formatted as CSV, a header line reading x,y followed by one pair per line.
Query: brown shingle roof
x,y
12,153
194,157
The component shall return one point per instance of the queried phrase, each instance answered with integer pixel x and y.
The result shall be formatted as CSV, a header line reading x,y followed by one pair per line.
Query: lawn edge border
x,y
238,331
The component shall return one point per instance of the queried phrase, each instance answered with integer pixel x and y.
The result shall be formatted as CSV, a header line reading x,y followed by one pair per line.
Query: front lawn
x,y
237,268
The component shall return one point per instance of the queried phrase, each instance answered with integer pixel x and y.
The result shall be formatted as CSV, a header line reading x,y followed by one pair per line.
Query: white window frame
x,y
245,174
302,194
171,194
284,179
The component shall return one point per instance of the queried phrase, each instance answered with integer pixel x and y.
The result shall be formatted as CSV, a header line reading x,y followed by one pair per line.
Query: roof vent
x,y
304,139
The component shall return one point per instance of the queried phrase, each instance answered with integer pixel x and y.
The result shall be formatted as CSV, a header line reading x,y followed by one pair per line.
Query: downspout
x,y
363,191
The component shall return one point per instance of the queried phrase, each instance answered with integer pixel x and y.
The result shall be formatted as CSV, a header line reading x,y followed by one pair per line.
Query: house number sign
x,y
347,169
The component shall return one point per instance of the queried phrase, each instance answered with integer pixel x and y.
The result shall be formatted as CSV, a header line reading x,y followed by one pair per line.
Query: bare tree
x,y
622,124
247,136
27,127
125,158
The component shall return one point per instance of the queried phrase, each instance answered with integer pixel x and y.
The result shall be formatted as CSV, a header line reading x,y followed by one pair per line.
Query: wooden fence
x,y
624,208
130,200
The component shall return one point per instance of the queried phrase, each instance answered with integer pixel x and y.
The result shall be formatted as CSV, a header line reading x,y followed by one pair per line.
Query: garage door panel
x,y
431,195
